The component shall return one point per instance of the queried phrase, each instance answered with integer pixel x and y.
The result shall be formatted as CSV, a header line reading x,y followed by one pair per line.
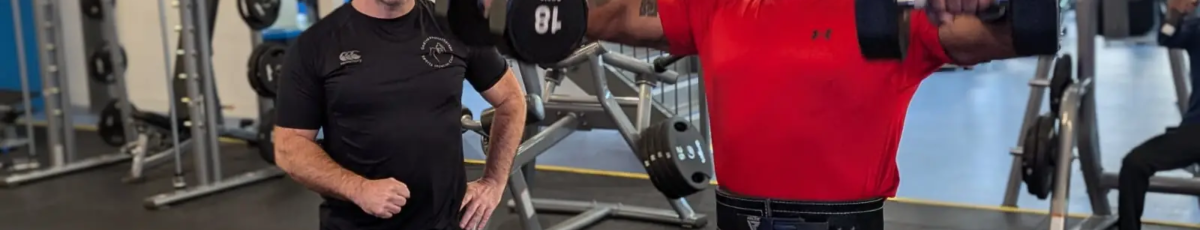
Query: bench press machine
x,y
565,115
59,115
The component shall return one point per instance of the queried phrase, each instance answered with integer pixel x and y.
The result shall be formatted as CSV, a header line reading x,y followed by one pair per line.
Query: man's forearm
x,y
969,40
629,22
308,164
507,127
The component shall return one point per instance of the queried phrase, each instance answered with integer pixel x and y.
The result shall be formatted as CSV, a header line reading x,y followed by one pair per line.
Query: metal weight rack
x,y
60,128
567,114
203,108
1079,138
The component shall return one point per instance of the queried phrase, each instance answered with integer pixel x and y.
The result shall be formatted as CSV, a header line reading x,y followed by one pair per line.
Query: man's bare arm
x,y
629,22
297,153
507,127
969,40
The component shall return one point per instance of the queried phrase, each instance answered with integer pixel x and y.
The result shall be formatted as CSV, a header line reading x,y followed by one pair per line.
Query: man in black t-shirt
x,y
384,79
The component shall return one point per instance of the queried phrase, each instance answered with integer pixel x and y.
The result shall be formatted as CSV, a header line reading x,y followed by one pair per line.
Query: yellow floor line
x,y
643,176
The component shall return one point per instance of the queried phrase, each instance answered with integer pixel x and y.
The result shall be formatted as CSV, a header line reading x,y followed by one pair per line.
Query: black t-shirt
x,y
387,94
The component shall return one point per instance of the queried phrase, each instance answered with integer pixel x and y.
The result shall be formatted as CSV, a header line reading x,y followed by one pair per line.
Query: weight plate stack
x,y
264,68
670,179
667,160
644,153
691,162
265,136
1039,156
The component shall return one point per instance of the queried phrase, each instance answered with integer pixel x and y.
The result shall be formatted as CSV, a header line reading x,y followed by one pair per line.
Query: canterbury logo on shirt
x,y
349,57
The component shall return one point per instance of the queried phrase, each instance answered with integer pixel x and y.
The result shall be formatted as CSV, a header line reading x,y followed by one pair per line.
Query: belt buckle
x,y
774,223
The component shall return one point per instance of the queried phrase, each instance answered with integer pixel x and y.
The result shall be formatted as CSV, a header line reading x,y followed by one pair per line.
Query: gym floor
x,y
954,155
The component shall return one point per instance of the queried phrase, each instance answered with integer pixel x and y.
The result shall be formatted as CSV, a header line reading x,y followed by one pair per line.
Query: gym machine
x,y
194,75
60,127
565,115
1049,142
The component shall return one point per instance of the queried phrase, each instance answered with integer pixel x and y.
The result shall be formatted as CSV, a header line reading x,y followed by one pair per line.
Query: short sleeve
x,y
300,99
925,53
924,43
485,67
684,22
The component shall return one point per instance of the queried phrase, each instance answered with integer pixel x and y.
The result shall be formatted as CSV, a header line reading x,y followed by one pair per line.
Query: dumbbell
x,y
531,31
883,25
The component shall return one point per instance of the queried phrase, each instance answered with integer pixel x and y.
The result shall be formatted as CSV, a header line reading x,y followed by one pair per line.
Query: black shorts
x,y
737,212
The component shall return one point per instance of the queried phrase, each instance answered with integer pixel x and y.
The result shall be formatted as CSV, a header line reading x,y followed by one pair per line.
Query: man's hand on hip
x,y
381,198
482,197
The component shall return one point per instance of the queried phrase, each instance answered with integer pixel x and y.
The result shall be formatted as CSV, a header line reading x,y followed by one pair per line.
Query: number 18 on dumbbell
x,y
533,31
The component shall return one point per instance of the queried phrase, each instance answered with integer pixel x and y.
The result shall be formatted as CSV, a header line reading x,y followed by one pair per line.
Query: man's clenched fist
x,y
381,198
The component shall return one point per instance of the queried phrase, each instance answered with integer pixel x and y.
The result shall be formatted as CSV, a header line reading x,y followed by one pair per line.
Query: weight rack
x,y
1079,138
565,115
202,109
59,115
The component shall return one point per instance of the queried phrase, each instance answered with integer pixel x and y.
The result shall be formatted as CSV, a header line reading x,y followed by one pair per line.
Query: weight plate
x,y
100,64
259,14
265,65
110,126
544,32
1060,79
690,163
265,136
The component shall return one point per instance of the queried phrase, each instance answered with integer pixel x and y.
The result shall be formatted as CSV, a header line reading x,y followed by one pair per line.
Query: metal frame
x,y
60,127
575,113
1078,133
201,101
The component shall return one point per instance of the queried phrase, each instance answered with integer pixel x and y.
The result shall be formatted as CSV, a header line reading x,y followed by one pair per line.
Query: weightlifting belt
x,y
738,212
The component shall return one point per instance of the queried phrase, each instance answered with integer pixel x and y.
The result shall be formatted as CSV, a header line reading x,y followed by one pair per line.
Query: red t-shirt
x,y
796,111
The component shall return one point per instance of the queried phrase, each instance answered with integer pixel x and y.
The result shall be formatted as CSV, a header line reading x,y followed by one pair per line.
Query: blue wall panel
x,y
9,71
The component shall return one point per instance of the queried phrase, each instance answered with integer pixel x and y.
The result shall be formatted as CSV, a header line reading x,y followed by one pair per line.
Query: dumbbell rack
x,y
567,115
200,101
59,115
1078,134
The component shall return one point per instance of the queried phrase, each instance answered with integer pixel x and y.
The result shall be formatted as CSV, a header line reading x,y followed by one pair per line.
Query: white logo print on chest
x,y
348,57
438,52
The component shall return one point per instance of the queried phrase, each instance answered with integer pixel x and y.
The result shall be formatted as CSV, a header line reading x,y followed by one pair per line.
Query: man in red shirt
x,y
826,158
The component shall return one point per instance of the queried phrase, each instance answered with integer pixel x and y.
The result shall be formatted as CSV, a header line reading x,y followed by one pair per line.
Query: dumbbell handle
x,y
992,13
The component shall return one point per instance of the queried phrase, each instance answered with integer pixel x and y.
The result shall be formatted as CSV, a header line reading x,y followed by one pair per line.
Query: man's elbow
x,y
286,147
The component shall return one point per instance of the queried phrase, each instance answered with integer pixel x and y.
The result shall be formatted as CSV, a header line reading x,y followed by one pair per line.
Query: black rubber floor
x,y
98,200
